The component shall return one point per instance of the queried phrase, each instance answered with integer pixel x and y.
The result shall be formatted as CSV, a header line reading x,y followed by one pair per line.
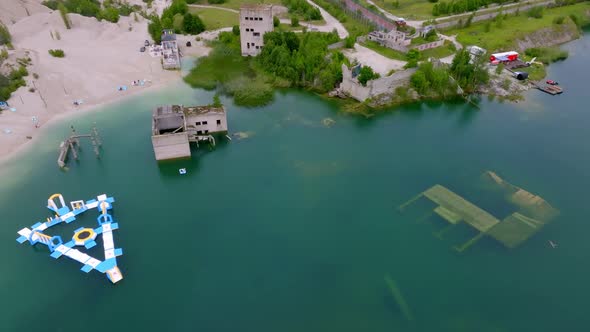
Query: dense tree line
x,y
442,81
303,8
109,10
178,18
431,81
467,73
462,6
303,60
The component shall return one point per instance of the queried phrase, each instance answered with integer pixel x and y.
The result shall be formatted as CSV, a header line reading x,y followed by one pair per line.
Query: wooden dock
x,y
550,89
72,144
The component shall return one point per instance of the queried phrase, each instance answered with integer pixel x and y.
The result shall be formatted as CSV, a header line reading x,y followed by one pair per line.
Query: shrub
x,y
303,9
558,20
10,83
31,89
366,74
575,19
276,21
216,101
3,55
5,37
178,23
57,53
499,68
35,76
110,14
547,55
294,21
536,12
413,54
193,24
216,2
349,42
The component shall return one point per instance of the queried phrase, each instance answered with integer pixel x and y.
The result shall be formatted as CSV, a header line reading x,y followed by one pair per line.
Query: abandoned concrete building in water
x,y
175,126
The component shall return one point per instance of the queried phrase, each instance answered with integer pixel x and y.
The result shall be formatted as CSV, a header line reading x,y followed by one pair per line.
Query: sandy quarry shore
x,y
100,57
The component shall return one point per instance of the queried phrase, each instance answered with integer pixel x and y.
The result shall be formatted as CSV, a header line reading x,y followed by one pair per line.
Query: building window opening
x,y
218,122
248,45
197,123
256,34
204,122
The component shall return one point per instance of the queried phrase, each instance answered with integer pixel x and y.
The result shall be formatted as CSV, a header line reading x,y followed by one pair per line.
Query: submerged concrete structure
x,y
255,21
533,212
175,126
170,53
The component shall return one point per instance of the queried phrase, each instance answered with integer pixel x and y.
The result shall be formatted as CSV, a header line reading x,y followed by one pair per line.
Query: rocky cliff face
x,y
555,35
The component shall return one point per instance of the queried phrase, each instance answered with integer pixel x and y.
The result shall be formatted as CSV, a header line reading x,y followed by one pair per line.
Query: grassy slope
x,y
216,18
408,9
514,27
385,51
439,52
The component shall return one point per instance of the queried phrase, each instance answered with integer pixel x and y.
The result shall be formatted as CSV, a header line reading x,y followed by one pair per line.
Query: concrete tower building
x,y
255,21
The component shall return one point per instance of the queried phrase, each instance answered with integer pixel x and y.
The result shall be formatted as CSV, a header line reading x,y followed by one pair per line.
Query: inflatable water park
x,y
83,236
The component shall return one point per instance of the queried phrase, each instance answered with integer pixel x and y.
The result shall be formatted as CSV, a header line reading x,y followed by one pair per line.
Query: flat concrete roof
x,y
198,110
461,209
255,6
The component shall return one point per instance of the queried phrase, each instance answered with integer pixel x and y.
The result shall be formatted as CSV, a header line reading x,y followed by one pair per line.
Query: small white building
x,y
255,21
170,53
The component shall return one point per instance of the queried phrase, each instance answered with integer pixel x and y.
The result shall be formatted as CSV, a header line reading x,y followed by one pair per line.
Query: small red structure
x,y
504,57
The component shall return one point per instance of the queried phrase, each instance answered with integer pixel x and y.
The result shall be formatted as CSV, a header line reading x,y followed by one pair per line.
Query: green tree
x,y
5,37
216,101
167,23
349,42
413,54
178,23
366,74
469,75
294,21
155,29
236,30
419,82
276,21
193,24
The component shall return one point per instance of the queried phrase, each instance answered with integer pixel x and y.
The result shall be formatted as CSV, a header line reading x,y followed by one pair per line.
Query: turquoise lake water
x,y
295,227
